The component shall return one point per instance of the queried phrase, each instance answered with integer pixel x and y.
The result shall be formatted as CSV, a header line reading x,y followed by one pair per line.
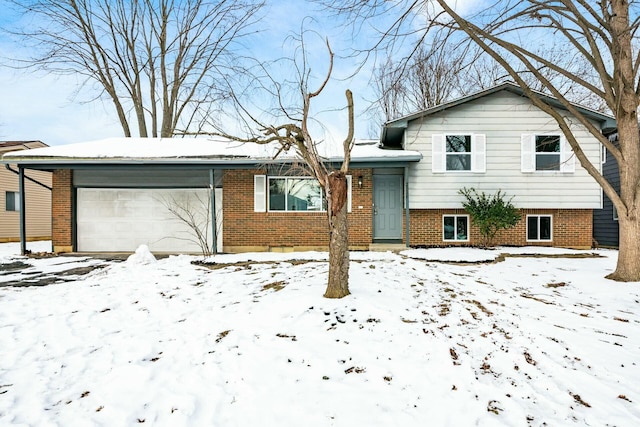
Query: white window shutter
x,y
438,156
259,193
567,158
528,152
478,153
349,181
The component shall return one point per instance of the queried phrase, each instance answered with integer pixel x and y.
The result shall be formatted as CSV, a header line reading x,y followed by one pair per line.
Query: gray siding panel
x,y
605,228
141,178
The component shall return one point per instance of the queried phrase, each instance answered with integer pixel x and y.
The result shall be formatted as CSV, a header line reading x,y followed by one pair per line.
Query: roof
x,y
192,151
392,130
6,146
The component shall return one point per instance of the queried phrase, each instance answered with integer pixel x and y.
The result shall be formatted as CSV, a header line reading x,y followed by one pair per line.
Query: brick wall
x,y
61,210
245,229
571,228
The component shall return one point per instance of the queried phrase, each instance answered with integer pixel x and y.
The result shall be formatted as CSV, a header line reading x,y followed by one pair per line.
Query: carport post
x,y
23,228
214,222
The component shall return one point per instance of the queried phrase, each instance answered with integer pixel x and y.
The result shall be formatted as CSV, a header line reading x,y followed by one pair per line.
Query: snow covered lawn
x,y
526,340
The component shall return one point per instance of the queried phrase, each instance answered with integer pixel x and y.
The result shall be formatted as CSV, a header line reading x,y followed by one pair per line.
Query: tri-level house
x,y
115,194
498,140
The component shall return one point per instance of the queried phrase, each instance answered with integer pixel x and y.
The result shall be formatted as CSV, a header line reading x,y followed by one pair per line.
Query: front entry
x,y
387,208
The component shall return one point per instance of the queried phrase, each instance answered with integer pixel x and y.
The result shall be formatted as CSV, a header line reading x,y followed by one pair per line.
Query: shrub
x,y
489,213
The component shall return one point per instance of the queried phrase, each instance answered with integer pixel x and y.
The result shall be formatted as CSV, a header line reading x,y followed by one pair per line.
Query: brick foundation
x,y
61,211
572,228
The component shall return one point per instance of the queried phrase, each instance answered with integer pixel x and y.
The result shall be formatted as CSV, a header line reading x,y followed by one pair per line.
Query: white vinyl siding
x,y
476,156
503,118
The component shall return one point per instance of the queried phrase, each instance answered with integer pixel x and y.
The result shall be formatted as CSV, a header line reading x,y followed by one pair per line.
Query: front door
x,y
387,207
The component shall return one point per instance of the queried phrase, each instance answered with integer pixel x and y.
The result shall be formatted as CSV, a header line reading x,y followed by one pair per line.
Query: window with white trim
x,y
295,194
291,194
12,201
539,228
546,153
458,153
455,228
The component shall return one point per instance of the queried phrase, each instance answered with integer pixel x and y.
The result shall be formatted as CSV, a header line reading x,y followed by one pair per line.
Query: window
x,y
292,194
615,213
12,201
295,194
458,153
539,228
546,153
455,228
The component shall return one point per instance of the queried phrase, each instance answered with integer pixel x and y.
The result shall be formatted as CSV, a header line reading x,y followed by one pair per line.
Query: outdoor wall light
x,y
360,181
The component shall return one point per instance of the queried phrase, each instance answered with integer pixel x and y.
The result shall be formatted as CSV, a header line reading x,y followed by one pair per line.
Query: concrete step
x,y
384,247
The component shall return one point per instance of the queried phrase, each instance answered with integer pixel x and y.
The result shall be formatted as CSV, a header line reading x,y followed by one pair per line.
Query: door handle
x,y
375,210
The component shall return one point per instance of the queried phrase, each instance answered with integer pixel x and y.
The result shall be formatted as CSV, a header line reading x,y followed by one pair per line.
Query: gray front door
x,y
387,207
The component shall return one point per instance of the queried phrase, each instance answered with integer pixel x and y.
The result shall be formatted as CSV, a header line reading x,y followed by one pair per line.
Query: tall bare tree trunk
x,y
625,111
338,283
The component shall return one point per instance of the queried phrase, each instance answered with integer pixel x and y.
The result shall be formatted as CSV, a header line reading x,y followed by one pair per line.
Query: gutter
x,y
9,168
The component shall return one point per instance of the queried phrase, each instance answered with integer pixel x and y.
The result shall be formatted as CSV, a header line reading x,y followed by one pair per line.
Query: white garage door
x,y
120,220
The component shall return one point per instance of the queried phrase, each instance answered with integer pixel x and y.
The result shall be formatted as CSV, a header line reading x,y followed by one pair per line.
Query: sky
x,y
537,338
45,107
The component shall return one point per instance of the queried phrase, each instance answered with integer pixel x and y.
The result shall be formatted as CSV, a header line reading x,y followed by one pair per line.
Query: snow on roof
x,y
195,149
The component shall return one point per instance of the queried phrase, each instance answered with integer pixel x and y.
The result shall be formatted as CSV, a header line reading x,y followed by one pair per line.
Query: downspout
x,y
23,217
406,207
9,168
214,221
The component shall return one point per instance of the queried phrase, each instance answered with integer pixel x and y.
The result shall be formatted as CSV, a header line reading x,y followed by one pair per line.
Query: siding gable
x,y
502,118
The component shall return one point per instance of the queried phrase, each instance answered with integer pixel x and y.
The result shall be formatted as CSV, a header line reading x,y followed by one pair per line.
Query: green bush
x,y
489,213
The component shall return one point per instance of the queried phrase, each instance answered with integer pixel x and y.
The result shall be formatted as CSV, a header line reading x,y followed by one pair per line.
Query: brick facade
x,y
245,229
571,228
62,211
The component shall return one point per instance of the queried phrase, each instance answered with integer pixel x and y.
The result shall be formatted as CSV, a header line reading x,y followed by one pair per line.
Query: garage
x,y
121,219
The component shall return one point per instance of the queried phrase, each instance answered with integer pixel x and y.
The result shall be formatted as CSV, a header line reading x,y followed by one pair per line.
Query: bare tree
x,y
159,62
296,135
599,37
194,210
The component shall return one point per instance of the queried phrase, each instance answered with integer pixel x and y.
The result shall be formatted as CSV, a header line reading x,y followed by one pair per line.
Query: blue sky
x,y
43,107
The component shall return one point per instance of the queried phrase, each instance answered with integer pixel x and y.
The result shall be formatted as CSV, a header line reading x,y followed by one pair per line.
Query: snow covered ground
x,y
422,341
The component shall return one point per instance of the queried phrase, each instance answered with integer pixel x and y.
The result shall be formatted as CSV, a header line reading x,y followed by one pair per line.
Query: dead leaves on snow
x,y
578,399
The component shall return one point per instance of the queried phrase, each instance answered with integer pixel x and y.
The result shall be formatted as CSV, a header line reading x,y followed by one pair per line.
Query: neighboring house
x,y
38,200
605,220
112,195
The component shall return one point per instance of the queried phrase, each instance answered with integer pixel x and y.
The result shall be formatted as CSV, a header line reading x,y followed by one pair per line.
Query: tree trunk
x,y
338,285
628,267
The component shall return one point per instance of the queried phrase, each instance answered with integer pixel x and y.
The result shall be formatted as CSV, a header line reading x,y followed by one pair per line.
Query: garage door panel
x,y
122,219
